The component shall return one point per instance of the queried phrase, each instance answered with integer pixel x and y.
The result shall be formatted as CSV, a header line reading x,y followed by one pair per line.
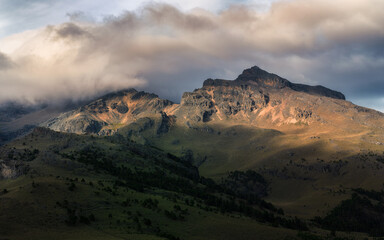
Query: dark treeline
x,y
363,212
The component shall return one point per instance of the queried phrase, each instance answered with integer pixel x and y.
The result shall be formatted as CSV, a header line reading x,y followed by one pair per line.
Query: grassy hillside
x,y
66,186
308,174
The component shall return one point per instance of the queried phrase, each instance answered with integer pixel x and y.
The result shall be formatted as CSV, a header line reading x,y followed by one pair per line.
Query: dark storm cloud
x,y
162,49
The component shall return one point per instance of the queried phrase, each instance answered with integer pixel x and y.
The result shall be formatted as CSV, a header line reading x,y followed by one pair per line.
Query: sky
x,y
54,50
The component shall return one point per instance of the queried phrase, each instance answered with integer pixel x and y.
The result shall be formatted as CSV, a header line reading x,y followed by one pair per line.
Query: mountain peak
x,y
263,78
258,77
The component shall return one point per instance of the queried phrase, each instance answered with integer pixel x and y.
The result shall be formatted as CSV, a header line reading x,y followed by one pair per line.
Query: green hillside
x,y
84,187
68,186
308,175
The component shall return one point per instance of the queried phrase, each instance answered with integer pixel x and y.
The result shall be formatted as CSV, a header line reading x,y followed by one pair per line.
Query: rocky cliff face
x,y
256,98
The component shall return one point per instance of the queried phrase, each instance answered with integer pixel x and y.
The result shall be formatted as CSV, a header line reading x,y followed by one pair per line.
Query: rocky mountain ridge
x,y
255,98
262,79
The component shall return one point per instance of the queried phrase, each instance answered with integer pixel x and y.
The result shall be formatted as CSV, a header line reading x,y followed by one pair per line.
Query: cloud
x,y
71,30
5,62
80,16
162,49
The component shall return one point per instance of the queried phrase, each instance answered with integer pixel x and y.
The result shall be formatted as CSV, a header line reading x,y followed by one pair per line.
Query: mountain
x,y
255,98
291,133
258,155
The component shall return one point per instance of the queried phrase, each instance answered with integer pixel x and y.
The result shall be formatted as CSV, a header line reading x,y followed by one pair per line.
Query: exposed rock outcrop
x,y
12,169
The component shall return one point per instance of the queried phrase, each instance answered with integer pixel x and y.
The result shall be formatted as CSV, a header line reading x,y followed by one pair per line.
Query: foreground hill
x,y
66,186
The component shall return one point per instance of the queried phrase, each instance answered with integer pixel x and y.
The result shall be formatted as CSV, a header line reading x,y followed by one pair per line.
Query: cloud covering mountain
x,y
163,49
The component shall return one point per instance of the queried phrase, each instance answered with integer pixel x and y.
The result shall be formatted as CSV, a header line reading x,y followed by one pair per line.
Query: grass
x,y
42,203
